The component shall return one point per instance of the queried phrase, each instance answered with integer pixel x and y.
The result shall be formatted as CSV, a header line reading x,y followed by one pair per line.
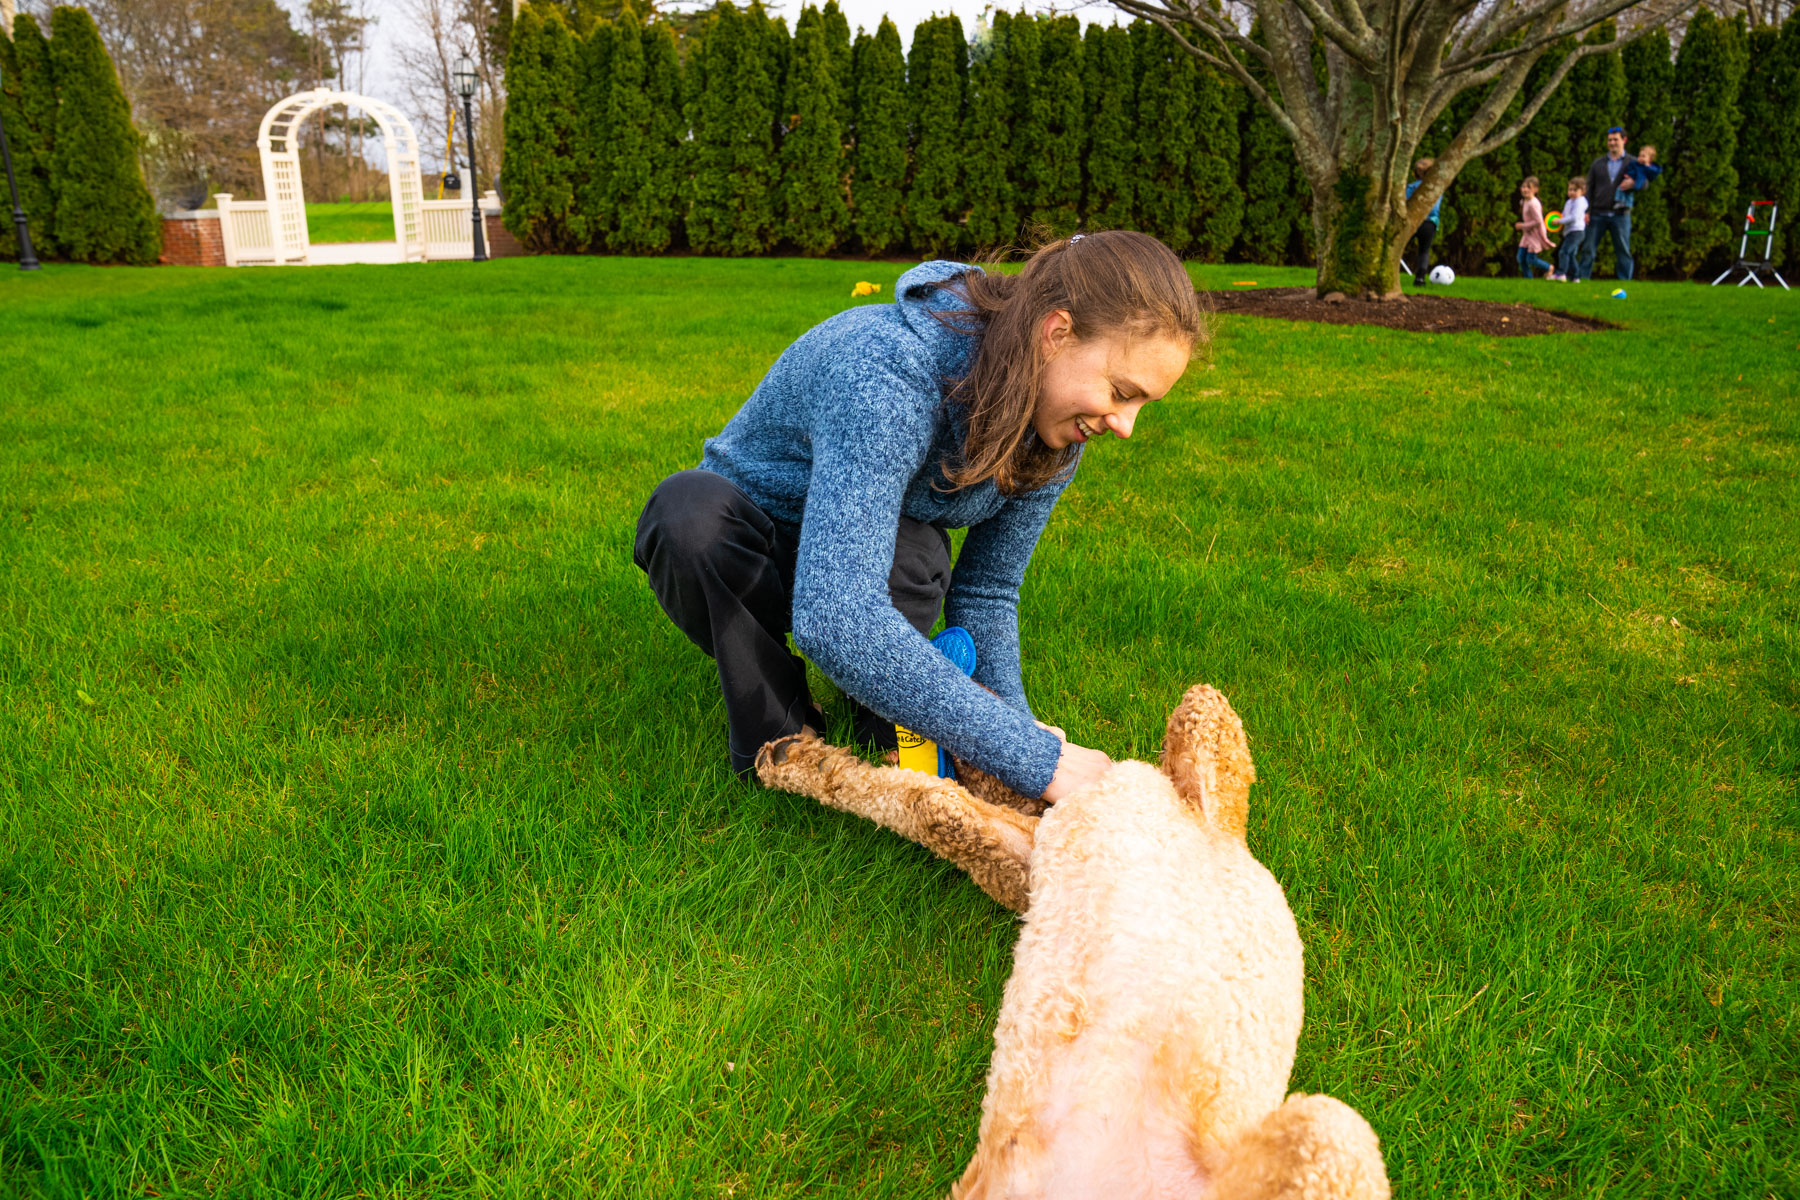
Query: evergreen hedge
x,y
1276,198
1110,70
987,138
541,169
104,212
1051,165
1701,177
734,171
815,214
1213,165
766,143
934,74
30,111
878,162
1166,87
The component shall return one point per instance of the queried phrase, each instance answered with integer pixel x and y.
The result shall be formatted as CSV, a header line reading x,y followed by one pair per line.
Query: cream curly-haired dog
x,y
1148,1029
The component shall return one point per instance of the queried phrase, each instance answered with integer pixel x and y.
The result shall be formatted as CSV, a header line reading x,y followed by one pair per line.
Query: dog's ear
x,y
1205,754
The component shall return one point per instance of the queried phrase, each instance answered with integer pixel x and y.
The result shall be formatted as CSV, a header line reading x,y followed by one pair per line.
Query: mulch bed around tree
x,y
1420,313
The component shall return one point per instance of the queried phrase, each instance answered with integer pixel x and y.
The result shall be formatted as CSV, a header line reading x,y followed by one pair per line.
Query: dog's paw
x,y
792,763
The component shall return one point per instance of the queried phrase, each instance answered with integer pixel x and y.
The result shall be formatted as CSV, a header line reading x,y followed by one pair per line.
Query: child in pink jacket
x,y
1536,237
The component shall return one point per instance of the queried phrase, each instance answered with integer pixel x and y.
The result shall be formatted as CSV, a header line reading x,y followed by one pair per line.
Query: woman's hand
x,y
1060,735
1077,768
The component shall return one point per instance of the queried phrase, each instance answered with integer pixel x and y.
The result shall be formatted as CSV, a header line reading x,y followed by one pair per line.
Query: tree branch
x,y
1475,54
1495,141
1365,50
1657,18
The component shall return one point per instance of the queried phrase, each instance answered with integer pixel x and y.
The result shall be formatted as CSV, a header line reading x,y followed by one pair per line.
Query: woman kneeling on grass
x,y
827,498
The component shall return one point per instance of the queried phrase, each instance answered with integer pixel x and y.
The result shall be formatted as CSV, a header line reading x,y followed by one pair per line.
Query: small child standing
x,y
1536,237
1574,230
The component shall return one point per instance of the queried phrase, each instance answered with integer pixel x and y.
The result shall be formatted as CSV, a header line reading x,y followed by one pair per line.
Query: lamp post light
x,y
466,80
27,260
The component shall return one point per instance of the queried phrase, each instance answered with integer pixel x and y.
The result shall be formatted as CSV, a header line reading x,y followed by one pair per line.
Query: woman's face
x,y
1095,386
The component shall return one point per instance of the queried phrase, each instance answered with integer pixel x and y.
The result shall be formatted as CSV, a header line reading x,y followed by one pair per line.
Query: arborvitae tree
x,y
987,138
651,220
1650,89
1052,170
29,101
878,175
541,158
1599,98
1701,179
814,213
1768,159
1111,87
1213,165
1031,116
732,111
935,85
104,212
625,164
1165,199
1546,145
837,40
1274,192
598,152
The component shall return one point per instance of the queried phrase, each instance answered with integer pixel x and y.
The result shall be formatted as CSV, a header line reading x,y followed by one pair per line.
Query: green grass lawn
x,y
367,830
366,221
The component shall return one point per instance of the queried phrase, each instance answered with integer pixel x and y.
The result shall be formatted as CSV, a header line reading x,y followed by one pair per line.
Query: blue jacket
x,y
1413,187
1641,175
845,434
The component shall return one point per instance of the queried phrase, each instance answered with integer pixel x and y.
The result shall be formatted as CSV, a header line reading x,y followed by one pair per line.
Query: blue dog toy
x,y
921,753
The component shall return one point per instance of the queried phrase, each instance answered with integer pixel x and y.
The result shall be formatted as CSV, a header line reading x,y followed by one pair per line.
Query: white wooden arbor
x,y
279,142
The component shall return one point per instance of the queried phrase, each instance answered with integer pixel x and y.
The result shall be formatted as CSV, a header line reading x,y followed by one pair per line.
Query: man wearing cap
x,y
1608,184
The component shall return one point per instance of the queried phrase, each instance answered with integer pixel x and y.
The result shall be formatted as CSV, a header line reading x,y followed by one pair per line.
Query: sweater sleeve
x,y
866,447
984,590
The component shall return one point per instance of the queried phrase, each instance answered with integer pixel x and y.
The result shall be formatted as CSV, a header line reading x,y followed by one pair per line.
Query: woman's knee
x,y
691,513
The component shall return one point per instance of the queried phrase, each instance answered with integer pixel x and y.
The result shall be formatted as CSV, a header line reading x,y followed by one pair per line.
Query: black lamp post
x,y
27,260
465,87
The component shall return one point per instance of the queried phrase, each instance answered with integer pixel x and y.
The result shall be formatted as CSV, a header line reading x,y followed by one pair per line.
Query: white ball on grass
x,y
1442,274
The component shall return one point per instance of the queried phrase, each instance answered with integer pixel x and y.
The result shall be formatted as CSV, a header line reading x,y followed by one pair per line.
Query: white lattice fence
x,y
448,231
244,227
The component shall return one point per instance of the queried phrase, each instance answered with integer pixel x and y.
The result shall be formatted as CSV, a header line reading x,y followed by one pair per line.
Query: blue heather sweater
x,y
845,434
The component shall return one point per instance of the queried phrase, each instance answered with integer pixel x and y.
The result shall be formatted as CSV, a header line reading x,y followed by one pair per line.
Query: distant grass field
x,y
367,830
366,221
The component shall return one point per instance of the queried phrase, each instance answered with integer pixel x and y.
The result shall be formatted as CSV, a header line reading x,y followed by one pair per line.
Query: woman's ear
x,y
1057,331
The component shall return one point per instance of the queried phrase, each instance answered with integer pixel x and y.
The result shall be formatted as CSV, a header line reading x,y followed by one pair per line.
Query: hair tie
x,y
1076,238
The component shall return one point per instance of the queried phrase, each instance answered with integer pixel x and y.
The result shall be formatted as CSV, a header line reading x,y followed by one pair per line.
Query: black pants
x,y
1421,246
723,570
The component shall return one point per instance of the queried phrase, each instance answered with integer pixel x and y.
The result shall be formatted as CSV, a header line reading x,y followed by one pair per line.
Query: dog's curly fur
x,y
1148,1028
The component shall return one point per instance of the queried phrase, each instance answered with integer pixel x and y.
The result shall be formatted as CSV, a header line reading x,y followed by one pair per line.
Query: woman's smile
x,y
1095,386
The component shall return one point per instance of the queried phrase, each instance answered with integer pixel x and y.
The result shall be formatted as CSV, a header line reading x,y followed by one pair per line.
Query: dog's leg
x,y
991,843
1311,1148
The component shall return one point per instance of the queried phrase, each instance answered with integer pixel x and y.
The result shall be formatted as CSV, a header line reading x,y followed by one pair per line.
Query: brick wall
x,y
192,239
500,241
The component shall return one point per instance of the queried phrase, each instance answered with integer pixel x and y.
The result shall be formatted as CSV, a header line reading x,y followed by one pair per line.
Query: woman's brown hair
x,y
1112,282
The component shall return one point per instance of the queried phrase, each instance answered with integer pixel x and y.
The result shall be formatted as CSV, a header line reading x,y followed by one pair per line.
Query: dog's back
x,y
1154,1004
